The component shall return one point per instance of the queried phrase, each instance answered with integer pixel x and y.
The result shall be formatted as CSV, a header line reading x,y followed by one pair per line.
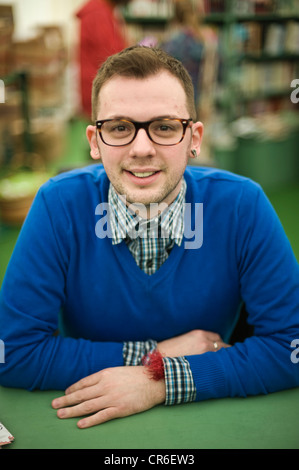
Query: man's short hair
x,y
142,62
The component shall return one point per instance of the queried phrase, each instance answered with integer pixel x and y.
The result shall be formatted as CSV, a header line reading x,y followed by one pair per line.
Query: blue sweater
x,y
61,269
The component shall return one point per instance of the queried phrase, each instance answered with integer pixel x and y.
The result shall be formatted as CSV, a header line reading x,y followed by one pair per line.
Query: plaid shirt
x,y
150,242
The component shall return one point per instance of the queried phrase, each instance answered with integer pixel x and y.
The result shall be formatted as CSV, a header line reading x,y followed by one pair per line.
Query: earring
x,y
194,153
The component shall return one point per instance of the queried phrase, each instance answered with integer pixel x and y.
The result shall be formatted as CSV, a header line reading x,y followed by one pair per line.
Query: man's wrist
x,y
176,371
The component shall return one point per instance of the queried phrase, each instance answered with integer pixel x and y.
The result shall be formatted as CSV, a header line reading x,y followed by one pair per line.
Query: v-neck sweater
x,y
62,274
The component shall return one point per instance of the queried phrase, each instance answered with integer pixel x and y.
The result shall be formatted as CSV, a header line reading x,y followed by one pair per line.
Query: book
x,y
5,436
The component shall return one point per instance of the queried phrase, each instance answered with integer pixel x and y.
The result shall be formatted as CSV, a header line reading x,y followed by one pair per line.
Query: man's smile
x,y
143,177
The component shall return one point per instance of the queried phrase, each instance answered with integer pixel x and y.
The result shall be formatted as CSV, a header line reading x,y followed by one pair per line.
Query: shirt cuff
x,y
180,387
133,351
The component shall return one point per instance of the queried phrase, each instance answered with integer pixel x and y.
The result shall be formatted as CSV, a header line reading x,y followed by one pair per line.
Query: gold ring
x,y
215,345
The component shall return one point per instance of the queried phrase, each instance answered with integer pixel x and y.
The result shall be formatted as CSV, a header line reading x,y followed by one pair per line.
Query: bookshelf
x,y
259,53
258,47
148,20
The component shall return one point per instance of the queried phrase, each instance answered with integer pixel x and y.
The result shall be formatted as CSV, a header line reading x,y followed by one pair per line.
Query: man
x,y
116,248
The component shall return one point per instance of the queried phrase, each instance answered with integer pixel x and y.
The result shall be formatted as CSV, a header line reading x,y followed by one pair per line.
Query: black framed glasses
x,y
119,132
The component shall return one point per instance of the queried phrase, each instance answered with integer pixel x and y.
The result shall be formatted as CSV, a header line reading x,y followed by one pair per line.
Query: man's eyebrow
x,y
154,118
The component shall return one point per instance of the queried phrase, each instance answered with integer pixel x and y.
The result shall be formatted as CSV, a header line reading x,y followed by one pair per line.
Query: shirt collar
x,y
125,223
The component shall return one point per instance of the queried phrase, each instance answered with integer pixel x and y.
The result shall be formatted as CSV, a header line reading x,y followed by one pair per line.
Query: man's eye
x,y
164,128
119,128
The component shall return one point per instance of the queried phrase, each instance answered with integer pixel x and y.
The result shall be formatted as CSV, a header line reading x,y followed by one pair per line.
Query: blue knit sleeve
x,y
32,294
269,286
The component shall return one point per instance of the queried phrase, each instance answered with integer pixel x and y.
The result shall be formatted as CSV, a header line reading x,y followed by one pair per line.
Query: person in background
x,y
186,41
195,44
143,263
102,33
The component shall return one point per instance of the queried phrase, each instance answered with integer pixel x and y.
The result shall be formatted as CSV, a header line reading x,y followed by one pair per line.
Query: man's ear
x,y
197,133
92,139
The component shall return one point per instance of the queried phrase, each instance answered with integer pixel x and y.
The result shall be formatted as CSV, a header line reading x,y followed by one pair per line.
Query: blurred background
x,y
242,55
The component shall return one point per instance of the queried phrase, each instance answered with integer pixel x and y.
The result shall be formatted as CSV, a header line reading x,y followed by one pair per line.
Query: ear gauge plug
x,y
194,153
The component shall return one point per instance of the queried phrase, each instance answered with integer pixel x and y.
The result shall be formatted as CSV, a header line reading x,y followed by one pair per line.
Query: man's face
x,y
157,96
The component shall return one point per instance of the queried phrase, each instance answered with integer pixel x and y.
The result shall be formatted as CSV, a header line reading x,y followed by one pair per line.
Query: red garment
x,y
101,35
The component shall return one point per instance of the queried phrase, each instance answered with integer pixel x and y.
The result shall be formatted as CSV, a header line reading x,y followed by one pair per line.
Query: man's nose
x,y
142,145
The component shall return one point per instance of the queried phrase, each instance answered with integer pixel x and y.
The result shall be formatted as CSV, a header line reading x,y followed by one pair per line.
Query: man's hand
x,y
122,391
193,342
111,393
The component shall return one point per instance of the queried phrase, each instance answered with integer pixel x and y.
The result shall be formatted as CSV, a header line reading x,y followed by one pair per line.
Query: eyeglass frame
x,y
143,125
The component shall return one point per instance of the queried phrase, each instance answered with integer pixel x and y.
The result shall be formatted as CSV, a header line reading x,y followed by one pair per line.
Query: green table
x,y
262,422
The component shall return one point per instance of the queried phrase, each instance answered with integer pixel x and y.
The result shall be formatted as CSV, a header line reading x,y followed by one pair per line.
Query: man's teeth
x,y
144,174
